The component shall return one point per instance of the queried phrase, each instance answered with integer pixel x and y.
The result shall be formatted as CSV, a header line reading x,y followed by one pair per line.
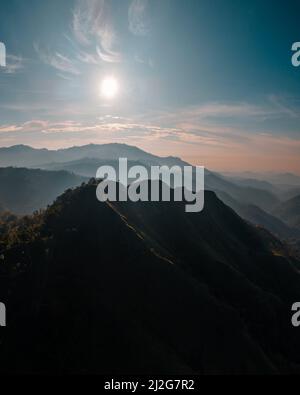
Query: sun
x,y
109,87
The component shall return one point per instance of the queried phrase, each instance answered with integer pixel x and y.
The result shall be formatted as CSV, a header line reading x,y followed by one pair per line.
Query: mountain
x,y
145,288
242,194
282,180
24,156
26,190
289,212
290,194
85,161
253,199
88,167
285,179
257,184
245,194
259,217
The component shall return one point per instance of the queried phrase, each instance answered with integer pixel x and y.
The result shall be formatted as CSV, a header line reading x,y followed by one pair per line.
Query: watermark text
x,y
296,55
137,183
296,315
2,55
2,314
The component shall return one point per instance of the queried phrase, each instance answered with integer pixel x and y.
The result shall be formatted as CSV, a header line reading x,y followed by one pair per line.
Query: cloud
x,y
93,26
138,20
217,123
58,61
88,20
30,126
14,64
108,125
88,58
10,128
98,32
219,111
108,56
210,148
235,122
218,134
93,39
282,107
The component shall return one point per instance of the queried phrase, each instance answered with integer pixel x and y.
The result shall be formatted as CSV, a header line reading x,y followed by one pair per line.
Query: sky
x,y
209,81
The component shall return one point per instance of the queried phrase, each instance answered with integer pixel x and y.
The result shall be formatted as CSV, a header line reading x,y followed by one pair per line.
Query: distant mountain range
x,y
255,200
25,156
85,161
23,190
289,212
257,216
280,180
145,288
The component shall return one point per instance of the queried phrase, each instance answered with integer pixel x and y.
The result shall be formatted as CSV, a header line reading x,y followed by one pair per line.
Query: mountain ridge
x,y
242,195
215,309
39,156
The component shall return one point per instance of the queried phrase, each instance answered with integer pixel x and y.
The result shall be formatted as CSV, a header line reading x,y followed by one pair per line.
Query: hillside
x,y
145,288
26,190
85,160
255,200
289,211
259,217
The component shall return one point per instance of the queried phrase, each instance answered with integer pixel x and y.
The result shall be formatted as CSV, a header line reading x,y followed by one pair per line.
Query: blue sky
x,y
210,81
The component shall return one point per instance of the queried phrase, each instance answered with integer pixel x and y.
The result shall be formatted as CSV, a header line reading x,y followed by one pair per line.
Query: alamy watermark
x,y
2,314
156,183
2,55
296,315
296,55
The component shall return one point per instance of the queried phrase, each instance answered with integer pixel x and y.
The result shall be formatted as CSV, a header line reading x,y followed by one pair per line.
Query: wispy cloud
x,y
103,124
219,110
30,126
232,121
10,128
138,17
207,134
93,26
14,64
58,61
98,35
284,108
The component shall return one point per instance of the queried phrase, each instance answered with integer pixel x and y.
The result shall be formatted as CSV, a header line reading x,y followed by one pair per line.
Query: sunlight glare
x,y
109,87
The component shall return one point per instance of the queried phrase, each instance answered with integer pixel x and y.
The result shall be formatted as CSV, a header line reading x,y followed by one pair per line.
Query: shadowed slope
x,y
98,292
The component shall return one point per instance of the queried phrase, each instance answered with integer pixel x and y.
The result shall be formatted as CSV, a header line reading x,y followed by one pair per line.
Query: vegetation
x,y
135,288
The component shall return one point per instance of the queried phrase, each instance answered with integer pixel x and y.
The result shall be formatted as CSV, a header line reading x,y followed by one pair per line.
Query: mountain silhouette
x,y
259,217
25,156
85,160
289,211
25,190
129,288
